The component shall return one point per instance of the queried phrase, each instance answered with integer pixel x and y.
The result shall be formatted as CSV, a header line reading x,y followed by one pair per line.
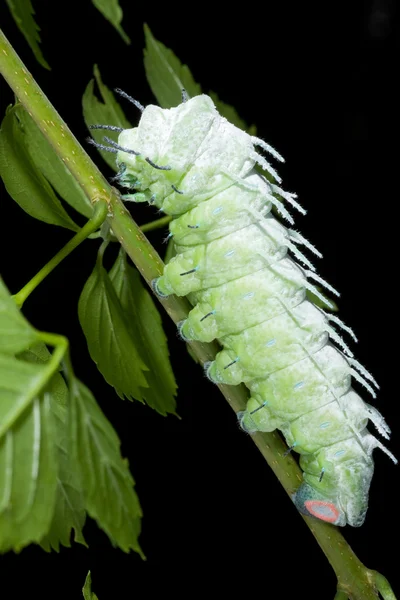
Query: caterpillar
x,y
247,277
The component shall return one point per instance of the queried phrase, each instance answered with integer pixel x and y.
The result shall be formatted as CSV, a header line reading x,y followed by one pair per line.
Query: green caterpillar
x,y
244,274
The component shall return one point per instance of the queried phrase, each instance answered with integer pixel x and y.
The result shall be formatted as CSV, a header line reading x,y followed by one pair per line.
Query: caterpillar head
x,y
162,147
178,157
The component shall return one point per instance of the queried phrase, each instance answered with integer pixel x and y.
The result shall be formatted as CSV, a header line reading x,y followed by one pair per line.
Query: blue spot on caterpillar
x,y
247,279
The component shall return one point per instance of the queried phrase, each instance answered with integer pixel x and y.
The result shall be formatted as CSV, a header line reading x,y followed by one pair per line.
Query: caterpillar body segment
x,y
247,281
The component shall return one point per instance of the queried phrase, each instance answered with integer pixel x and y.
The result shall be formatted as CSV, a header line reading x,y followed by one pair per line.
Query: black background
x,y
320,84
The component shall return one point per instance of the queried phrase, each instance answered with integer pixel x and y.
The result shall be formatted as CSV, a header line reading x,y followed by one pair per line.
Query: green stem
x,y
354,579
156,224
383,586
50,123
98,217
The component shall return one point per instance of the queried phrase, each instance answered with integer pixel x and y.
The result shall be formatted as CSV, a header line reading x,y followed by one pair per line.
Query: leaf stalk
x,y
98,217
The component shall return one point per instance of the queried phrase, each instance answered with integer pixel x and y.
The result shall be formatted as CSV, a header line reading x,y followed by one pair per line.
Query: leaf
x,y
108,336
146,328
87,588
230,113
105,478
23,181
28,464
111,10
33,408
107,112
51,165
166,74
69,510
38,354
16,334
22,12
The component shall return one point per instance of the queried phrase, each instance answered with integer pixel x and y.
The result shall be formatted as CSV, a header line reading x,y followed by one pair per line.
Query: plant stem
x,y
354,580
50,123
156,224
98,217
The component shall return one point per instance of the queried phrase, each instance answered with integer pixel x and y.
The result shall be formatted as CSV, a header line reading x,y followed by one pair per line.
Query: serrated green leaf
x,y
51,165
146,327
111,10
16,334
106,112
166,75
38,354
28,464
106,481
69,511
318,302
23,181
87,588
22,12
230,113
109,338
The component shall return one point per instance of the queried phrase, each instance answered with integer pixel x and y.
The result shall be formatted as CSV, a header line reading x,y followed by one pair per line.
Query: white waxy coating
x,y
233,262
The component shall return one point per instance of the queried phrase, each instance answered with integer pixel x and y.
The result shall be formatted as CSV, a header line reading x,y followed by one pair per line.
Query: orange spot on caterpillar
x,y
325,511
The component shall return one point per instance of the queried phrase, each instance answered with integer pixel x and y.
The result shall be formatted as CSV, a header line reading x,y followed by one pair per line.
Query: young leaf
x,y
22,12
28,463
107,112
109,338
146,327
23,181
166,74
87,588
111,10
50,165
107,484
16,334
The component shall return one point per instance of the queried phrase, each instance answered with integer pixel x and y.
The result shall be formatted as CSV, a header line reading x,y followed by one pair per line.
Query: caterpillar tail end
x,y
312,503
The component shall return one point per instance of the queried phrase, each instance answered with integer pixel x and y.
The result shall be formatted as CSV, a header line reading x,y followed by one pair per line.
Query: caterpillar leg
x,y
266,420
